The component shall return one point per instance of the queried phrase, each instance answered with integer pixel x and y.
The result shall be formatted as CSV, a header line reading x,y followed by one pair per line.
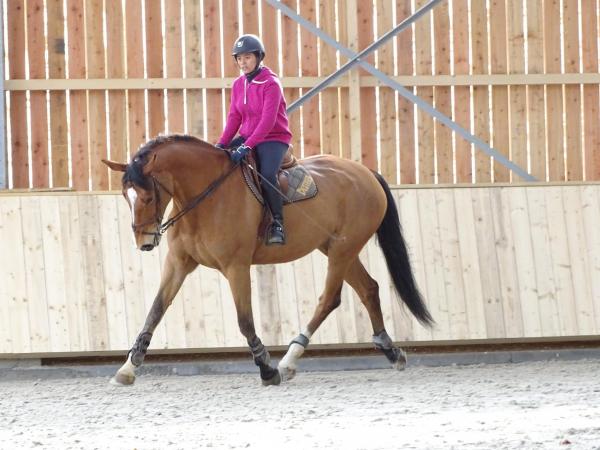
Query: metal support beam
x,y
483,146
3,147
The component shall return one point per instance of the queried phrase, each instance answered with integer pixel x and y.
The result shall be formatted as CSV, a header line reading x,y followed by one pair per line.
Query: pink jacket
x,y
257,110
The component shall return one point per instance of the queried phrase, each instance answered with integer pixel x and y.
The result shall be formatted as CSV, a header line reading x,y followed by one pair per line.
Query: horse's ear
x,y
117,167
149,165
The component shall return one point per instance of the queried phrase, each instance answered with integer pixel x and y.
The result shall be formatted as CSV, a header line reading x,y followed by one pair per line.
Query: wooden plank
x,y
311,137
269,37
57,292
175,316
117,113
136,114
525,263
346,116
214,97
36,49
499,64
368,106
191,301
19,140
517,94
93,273
434,268
212,307
481,94
406,109
378,270
535,94
232,336
290,53
571,60
442,95
505,254
462,94
154,66
554,94
425,125
174,69
328,331
561,261
330,132
387,102
231,31
72,256
96,99
287,303
469,253
590,201
269,305
591,97
489,270
305,292
58,99
250,17
114,287
193,67
545,284
17,340
578,249
5,335
78,114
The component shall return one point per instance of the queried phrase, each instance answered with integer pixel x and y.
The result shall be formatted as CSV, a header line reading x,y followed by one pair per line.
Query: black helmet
x,y
248,43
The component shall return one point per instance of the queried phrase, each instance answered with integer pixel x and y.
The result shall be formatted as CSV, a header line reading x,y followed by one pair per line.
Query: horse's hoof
x,y
400,364
122,379
286,373
275,380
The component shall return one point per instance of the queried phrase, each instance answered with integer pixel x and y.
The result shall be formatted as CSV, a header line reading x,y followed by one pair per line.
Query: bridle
x,y
161,227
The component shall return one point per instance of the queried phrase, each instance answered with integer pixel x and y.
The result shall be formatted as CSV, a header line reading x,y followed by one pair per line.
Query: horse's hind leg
x,y
368,291
174,272
239,281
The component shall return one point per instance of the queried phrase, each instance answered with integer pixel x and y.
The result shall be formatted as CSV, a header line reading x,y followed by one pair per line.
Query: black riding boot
x,y
276,235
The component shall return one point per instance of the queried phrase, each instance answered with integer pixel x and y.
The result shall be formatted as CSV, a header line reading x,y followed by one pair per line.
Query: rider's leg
x,y
270,154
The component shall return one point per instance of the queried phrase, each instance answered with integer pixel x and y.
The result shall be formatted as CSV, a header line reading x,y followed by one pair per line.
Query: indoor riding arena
x,y
482,118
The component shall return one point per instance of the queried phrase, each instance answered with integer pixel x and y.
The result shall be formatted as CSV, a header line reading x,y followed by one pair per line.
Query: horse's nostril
x,y
147,247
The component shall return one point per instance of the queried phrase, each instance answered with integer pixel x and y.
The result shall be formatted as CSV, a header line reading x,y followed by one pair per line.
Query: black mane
x,y
135,173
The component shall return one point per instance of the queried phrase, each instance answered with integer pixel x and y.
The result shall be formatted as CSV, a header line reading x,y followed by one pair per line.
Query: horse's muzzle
x,y
147,247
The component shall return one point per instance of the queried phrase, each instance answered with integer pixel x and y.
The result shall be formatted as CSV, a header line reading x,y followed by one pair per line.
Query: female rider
x,y
258,112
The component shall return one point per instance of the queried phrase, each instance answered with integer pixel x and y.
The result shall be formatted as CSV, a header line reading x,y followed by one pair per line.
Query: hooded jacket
x,y
257,110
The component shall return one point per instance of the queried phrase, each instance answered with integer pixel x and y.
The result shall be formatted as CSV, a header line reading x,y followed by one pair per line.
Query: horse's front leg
x,y
174,272
239,281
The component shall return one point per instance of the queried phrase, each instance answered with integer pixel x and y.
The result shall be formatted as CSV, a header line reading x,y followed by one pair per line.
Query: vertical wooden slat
x,y
572,92
481,100
442,95
330,133
18,103
58,99
154,67
535,94
230,33
193,67
309,67
269,37
346,20
78,113
387,103
462,94
517,94
554,94
36,48
269,305
214,107
590,200
174,65
591,98
136,114
291,68
500,109
250,17
367,94
96,98
425,123
117,113
406,109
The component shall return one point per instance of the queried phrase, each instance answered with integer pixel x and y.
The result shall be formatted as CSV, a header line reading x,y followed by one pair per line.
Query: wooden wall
x,y
492,262
103,76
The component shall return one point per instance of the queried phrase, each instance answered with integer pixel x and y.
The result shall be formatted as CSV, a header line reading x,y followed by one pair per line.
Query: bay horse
x,y
215,219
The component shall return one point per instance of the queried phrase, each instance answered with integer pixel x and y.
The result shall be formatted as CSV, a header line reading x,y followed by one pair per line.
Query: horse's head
x,y
147,198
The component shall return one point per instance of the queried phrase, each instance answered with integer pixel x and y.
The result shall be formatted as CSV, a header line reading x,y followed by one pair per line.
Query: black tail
x,y
389,235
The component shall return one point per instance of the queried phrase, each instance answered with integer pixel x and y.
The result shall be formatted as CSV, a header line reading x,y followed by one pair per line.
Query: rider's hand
x,y
221,146
239,153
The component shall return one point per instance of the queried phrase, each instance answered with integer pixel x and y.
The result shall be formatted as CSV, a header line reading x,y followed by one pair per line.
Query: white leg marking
x,y
125,375
287,365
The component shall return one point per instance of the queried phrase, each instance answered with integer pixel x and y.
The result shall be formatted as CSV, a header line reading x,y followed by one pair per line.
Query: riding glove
x,y
240,153
221,146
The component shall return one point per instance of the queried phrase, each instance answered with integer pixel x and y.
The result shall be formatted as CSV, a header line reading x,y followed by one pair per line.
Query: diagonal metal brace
x,y
355,59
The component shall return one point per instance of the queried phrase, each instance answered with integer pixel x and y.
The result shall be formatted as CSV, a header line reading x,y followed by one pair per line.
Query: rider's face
x,y
246,62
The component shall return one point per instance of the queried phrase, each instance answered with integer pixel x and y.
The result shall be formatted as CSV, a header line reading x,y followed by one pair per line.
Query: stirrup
x,y
276,235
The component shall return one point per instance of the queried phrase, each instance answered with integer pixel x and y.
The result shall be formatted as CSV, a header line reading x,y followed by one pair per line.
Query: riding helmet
x,y
249,43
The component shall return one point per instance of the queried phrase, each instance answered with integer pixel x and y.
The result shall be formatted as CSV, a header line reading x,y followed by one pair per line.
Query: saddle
x,y
294,180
